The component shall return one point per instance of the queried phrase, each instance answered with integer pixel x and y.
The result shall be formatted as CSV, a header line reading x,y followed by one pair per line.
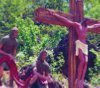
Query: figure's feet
x,y
76,83
81,83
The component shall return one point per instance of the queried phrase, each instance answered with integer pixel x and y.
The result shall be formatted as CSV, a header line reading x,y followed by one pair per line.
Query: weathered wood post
x,y
76,8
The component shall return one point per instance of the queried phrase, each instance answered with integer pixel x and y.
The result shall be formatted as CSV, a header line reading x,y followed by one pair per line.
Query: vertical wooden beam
x,y
71,52
76,8
71,59
72,7
79,10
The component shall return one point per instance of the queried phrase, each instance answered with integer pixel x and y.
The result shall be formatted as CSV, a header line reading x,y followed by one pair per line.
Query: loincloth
x,y
82,46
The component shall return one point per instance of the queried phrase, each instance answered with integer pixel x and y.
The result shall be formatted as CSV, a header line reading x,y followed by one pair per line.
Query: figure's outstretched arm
x,y
94,28
2,52
68,23
62,19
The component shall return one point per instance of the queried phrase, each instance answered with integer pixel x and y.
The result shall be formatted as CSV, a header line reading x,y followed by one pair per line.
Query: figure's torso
x,y
8,44
43,67
82,34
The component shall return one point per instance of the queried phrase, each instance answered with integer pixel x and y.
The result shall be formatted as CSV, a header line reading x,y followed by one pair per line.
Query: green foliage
x,y
24,60
94,73
28,33
61,79
36,38
57,64
95,80
10,10
52,35
61,5
92,8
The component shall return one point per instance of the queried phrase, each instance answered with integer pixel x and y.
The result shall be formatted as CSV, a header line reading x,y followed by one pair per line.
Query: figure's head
x,y
84,22
14,32
43,55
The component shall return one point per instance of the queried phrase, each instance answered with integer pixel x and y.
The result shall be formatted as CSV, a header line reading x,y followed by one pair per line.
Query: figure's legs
x,y
84,72
80,69
81,65
85,67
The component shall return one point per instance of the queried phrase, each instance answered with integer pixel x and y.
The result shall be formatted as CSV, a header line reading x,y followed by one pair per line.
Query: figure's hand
x,y
2,52
10,56
33,79
51,12
49,79
36,73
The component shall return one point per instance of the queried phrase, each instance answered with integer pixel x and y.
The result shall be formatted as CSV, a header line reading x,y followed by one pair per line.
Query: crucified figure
x,y
81,50
49,16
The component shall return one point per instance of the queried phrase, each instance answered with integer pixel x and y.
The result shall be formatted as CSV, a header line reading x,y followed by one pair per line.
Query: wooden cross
x,y
76,14
76,8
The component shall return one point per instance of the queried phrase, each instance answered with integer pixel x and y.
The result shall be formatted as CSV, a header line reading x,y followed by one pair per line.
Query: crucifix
x,y
78,26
